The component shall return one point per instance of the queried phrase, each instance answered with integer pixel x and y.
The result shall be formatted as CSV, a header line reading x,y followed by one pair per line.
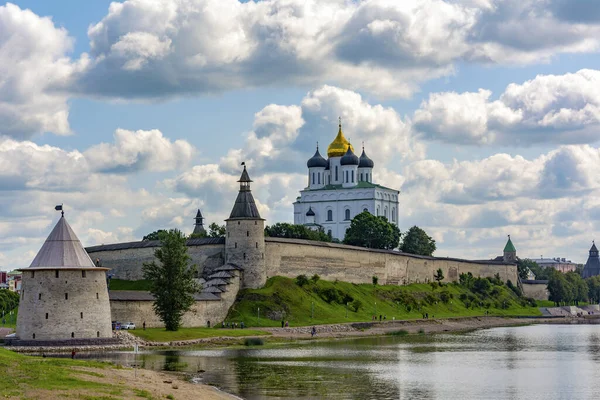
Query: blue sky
x,y
484,113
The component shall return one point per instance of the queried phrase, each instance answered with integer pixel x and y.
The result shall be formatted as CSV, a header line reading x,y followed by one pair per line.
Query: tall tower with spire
x,y
592,266
510,253
245,240
199,226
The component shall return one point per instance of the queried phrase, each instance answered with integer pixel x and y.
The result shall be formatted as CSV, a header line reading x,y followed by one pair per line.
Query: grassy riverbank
x,y
26,377
324,302
162,335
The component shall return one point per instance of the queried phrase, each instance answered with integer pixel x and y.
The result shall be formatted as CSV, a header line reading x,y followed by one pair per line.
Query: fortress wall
x,y
127,263
294,257
138,311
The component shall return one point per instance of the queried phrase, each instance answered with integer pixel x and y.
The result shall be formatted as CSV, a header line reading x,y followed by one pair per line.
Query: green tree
x,y
417,241
439,275
593,284
541,273
367,230
171,279
526,265
559,288
293,231
215,230
579,287
156,235
301,280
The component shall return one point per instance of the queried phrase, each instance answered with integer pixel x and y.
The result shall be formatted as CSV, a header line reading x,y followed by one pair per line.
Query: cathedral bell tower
x,y
245,240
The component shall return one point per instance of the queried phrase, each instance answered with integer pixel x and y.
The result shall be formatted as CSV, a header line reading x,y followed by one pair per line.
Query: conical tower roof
x,y
62,249
244,207
510,247
592,266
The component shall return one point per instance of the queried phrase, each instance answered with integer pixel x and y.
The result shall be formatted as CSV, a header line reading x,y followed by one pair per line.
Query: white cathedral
x,y
341,187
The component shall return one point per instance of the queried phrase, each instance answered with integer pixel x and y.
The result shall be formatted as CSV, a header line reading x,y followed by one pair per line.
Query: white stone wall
x,y
245,247
85,313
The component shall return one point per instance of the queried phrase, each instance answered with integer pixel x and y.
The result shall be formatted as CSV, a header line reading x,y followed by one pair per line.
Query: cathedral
x,y
339,188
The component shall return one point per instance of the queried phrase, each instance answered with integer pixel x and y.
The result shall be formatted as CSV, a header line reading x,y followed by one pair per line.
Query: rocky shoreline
x,y
358,329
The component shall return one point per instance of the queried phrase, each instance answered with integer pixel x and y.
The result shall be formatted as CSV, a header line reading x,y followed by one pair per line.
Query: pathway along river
x,y
529,362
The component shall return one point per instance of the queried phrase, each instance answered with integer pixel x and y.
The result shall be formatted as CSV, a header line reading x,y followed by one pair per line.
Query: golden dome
x,y
339,146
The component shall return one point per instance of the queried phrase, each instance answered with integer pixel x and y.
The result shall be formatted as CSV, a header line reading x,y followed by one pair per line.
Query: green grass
x,y
120,284
282,295
162,335
11,320
22,374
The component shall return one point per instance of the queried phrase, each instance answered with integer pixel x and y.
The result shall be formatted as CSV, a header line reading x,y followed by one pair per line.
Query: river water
x,y
531,362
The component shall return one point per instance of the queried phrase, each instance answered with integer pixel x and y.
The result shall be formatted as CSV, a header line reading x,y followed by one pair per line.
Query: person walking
x,y
144,325
313,332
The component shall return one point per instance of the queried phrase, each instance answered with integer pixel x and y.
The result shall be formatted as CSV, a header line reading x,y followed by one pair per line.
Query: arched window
x,y
347,214
336,173
385,214
393,214
365,209
346,176
319,178
329,233
352,176
329,215
313,181
377,211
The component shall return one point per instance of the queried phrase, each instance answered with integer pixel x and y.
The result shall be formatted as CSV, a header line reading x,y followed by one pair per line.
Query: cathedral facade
x,y
341,187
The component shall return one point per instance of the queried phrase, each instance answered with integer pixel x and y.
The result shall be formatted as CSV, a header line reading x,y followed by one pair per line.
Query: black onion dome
x,y
349,158
365,161
317,161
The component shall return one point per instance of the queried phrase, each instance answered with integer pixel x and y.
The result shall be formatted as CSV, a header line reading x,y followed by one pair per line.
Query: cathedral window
x,y
365,209
329,215
319,178
346,176
329,233
385,210
336,173
352,176
347,215
393,215
313,176
378,211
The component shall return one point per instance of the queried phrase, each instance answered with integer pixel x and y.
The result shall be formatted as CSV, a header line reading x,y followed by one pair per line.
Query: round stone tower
x,y
245,240
64,295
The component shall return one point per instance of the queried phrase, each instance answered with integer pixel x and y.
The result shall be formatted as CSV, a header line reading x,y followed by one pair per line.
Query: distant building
x,y
341,187
559,264
3,277
592,266
199,226
13,279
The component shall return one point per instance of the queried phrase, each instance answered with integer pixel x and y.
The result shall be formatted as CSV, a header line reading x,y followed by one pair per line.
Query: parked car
x,y
128,325
116,325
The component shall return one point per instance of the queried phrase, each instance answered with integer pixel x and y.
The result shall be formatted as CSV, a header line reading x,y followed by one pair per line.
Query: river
x,y
530,362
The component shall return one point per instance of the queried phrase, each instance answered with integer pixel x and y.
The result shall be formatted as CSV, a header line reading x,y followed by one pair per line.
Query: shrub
x,y
254,342
401,332
375,280
331,295
445,296
355,305
301,280
315,278
481,285
517,290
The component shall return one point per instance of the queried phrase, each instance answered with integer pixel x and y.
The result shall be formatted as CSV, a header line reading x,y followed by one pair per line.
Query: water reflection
x,y
534,362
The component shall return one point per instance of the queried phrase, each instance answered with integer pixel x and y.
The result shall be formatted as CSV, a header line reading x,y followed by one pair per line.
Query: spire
x,y
244,207
509,248
199,226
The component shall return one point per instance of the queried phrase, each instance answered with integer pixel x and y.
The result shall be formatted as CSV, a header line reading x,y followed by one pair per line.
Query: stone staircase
x,y
219,281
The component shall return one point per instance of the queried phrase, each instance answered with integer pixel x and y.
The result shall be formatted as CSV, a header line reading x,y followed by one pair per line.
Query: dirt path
x,y
411,326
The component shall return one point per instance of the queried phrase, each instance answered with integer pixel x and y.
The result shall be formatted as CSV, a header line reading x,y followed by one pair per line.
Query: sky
x,y
485,114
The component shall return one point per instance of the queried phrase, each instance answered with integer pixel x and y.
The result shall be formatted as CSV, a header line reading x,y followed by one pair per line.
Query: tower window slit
x,y
66,296
56,274
247,233
81,315
46,315
244,256
97,296
257,245
72,334
98,334
39,296
236,245
83,273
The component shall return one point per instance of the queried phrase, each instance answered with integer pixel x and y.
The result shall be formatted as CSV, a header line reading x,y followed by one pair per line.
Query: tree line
x,y
8,300
571,289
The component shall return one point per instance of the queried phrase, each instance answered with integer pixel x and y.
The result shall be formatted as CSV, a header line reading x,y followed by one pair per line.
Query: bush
x,y
517,290
375,280
355,305
301,280
481,285
254,341
315,278
331,295
445,296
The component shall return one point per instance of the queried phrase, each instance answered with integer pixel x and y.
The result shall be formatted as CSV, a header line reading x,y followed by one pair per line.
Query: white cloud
x,y
139,150
548,108
173,47
34,73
